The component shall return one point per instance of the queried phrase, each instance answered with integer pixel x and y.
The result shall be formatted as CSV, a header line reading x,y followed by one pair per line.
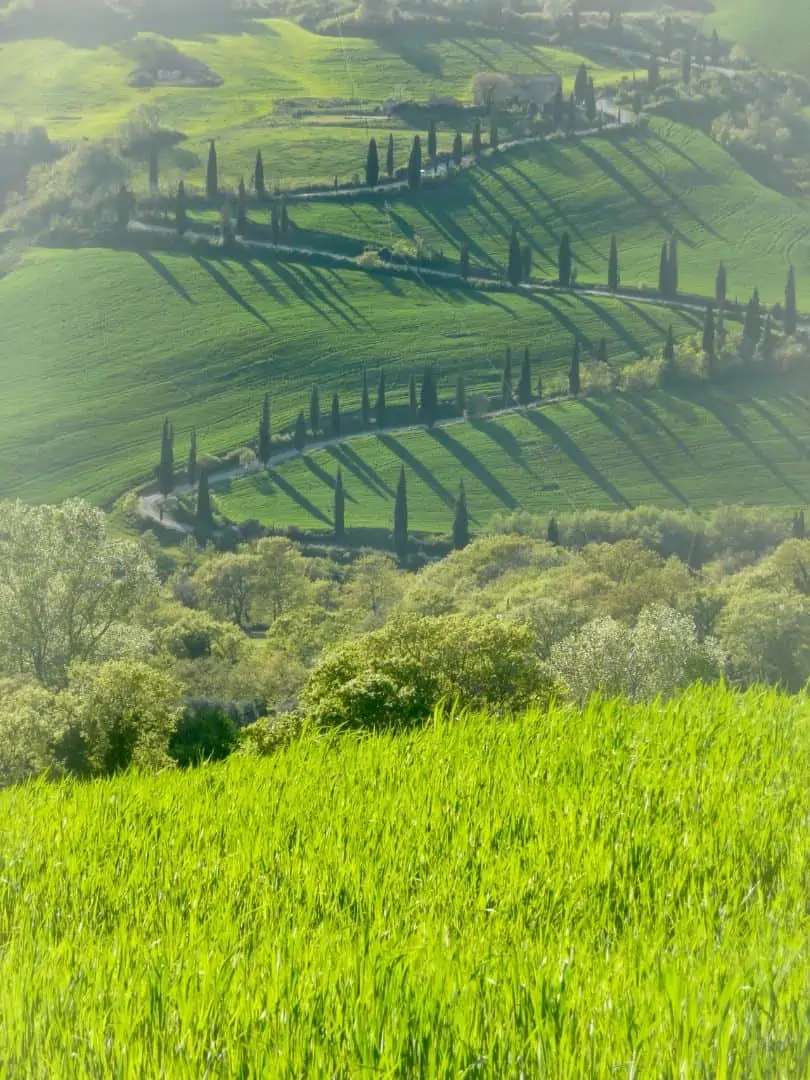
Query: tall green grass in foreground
x,y
619,892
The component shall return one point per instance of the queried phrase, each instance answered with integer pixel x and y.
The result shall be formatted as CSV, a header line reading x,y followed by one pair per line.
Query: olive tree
x,y
68,590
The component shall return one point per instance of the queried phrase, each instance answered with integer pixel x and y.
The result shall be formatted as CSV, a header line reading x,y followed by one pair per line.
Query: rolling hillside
x,y
777,33
642,186
97,346
698,447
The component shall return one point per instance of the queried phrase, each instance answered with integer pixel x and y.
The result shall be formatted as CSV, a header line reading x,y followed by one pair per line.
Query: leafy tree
x,y
300,433
590,102
315,411
68,590
166,467
241,208
461,394
432,142
429,403
614,278
154,168
461,521
663,271
334,425
494,140
380,408
514,267
390,160
340,506
365,402
721,285
212,173
581,84
464,260
573,372
415,165
124,206
191,470
507,393
524,392
283,579
565,261
553,532
180,210
557,109
653,75
204,517
527,261
401,516
477,145
259,185
790,317
229,584
709,334
413,403
458,149
264,446
766,633
372,165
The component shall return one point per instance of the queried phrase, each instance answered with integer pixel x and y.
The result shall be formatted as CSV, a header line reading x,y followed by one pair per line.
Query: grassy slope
x,y
97,346
626,885
84,92
700,447
777,33
642,187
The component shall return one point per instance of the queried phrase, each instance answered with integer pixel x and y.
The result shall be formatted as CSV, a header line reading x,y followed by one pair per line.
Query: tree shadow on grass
x,y
294,494
655,420
321,474
228,288
474,466
577,457
568,223
348,457
394,446
618,431
555,310
412,52
328,287
618,328
294,285
779,425
505,440
264,281
307,280
164,272
680,152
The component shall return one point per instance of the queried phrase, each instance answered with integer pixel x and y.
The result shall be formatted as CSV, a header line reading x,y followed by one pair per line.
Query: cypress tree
x,y
365,402
415,164
524,393
686,66
527,261
275,227
790,319
476,140
212,173
565,263
225,226
263,444
241,208
669,351
553,532
380,408
372,165
507,393
614,278
166,467
571,122
721,285
315,411
672,268
461,394
335,420
653,75
300,433
284,218
389,163
464,260
204,517
429,403
799,529
494,140
154,168
663,271
124,205
539,389
258,178
401,516
180,211
514,266
340,506
581,84
766,341
573,373
432,142
413,401
557,109
590,102
602,351
191,470
708,336
461,521
458,149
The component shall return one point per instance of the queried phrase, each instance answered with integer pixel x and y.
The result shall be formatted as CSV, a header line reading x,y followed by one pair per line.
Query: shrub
x,y
206,732
31,725
270,734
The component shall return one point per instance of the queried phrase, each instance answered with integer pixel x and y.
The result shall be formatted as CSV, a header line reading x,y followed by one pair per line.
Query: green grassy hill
x,y
777,33
97,346
642,186
696,447
77,93
560,895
